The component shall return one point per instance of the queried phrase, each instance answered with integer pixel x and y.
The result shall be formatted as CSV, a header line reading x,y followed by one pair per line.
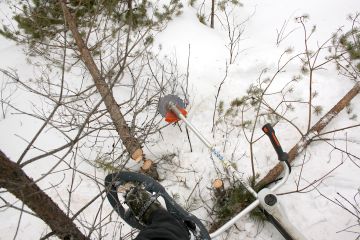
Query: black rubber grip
x,y
270,132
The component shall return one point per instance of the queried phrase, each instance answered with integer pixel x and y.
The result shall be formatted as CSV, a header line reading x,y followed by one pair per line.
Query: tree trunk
x,y
130,142
15,180
212,13
274,173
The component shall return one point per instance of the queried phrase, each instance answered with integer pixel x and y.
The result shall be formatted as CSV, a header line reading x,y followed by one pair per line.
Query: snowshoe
x,y
141,193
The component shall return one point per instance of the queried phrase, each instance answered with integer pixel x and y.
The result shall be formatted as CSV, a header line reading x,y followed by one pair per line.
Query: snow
x,y
314,215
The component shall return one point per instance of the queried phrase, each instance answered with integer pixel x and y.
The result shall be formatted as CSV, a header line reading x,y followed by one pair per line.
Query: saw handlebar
x,y
112,181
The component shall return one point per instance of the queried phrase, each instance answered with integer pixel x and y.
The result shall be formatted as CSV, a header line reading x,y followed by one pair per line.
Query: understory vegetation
x,y
96,82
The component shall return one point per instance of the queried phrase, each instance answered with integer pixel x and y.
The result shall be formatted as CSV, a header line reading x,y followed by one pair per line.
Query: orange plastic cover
x,y
172,118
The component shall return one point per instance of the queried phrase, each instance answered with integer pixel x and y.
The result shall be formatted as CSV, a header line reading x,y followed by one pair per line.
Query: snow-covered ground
x,y
314,215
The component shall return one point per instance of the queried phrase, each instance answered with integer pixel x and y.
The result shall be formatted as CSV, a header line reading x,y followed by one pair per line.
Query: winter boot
x,y
141,203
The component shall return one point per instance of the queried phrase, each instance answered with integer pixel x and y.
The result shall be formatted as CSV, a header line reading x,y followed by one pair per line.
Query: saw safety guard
x,y
165,112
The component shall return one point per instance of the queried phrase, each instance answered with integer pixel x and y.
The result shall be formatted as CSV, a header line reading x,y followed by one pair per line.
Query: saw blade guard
x,y
164,111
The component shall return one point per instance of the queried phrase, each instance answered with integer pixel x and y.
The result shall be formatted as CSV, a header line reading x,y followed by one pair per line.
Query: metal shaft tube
x,y
175,110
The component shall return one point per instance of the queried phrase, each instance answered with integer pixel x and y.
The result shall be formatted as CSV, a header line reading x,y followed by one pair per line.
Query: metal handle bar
x,y
252,206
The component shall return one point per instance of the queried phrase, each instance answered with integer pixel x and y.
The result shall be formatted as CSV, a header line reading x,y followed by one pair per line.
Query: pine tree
x,y
77,32
41,22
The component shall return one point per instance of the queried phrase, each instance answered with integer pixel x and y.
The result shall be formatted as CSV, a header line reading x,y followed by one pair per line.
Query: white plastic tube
x,y
227,225
284,179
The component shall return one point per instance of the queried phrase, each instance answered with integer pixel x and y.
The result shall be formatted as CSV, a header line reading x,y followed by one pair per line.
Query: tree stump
x,y
149,168
137,156
219,190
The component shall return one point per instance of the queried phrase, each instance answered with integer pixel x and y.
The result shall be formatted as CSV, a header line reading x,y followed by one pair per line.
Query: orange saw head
x,y
163,109
171,117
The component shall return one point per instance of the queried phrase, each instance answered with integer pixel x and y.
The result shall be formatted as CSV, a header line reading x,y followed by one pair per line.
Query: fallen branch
x,y
274,173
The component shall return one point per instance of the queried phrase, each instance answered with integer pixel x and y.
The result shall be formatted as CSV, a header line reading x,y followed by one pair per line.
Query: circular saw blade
x,y
164,101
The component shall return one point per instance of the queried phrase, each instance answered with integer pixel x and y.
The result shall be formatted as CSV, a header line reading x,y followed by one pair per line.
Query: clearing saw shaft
x,y
172,107
280,218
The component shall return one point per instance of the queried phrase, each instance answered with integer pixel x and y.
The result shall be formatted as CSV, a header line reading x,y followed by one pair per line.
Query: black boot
x,y
142,204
